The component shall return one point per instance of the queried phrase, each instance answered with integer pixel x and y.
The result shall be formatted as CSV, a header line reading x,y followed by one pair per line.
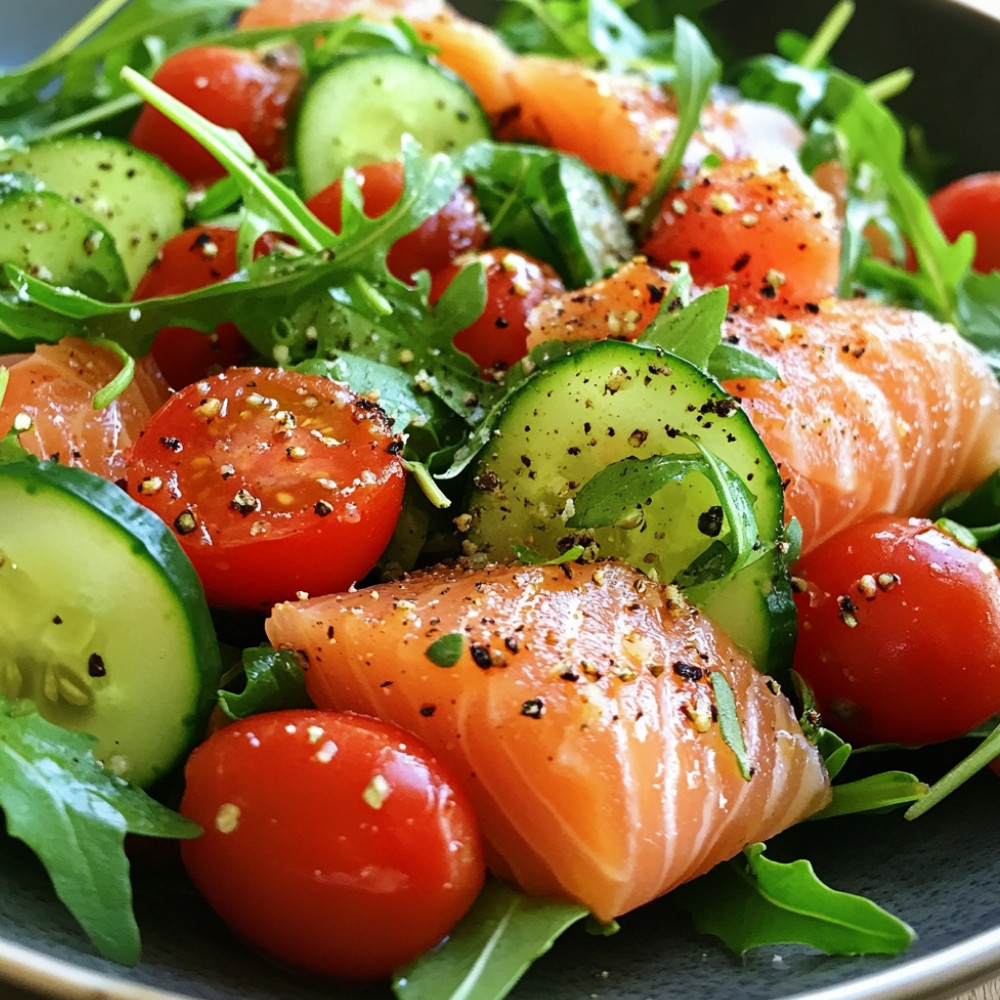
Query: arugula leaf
x,y
490,949
74,815
873,794
757,902
729,722
698,71
274,680
549,205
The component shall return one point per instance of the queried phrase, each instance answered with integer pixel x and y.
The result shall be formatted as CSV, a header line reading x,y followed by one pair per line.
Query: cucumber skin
x,y
766,579
152,541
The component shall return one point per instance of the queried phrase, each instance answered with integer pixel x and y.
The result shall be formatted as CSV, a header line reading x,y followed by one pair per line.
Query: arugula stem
x,y
88,119
958,775
232,151
891,85
80,32
827,34
109,393
426,482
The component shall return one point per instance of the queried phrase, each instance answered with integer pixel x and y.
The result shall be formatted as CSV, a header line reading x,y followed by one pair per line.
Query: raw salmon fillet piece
x,y
877,410
581,713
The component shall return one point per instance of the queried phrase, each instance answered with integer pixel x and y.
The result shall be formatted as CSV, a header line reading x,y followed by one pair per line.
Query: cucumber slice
x,y
103,621
51,238
357,111
612,401
138,199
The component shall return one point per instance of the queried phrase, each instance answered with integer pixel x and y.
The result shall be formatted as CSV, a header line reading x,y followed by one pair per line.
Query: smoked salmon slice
x,y
55,385
877,409
578,703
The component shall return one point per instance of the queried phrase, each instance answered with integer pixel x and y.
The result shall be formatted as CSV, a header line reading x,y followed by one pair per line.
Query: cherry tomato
x,y
193,259
972,204
453,230
771,236
236,88
332,841
274,482
899,633
515,284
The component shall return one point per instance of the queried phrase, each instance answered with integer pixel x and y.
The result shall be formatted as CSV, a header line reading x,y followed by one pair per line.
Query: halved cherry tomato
x,y
334,842
515,284
274,482
899,633
236,88
193,259
770,235
972,204
453,230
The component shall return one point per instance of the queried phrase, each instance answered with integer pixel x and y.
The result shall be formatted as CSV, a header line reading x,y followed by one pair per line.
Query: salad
x,y
457,475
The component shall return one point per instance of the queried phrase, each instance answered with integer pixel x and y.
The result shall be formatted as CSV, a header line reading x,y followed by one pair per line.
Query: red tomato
x,y
454,230
515,284
334,842
972,204
274,482
771,236
899,633
236,88
194,259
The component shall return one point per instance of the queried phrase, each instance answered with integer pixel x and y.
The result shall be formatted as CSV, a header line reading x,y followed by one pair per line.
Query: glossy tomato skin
x,y
899,633
453,230
771,236
515,284
334,842
196,258
236,88
972,204
274,483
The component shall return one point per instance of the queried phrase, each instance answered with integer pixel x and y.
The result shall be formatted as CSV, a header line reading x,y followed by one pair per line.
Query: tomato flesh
x,y
453,230
972,204
515,284
899,633
195,258
274,483
236,88
333,842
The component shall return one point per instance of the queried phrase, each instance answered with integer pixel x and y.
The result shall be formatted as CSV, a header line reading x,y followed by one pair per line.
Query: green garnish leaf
x,y
873,794
729,721
532,558
693,332
490,949
698,71
74,814
274,681
446,651
754,902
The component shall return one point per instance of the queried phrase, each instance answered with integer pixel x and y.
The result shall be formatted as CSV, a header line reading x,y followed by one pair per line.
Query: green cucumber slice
x,y
103,621
50,238
136,197
357,110
612,401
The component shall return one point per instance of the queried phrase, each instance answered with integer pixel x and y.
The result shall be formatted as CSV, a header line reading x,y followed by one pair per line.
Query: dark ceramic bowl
x,y
941,873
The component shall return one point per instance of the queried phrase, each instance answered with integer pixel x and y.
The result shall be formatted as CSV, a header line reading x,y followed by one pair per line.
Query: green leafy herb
x,y
490,949
698,71
74,814
756,902
274,681
446,651
532,558
729,722
873,794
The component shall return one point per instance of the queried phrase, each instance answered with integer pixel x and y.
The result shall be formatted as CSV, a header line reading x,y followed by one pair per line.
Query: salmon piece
x,y
877,409
623,125
476,54
55,387
580,713
618,307
276,13
770,235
